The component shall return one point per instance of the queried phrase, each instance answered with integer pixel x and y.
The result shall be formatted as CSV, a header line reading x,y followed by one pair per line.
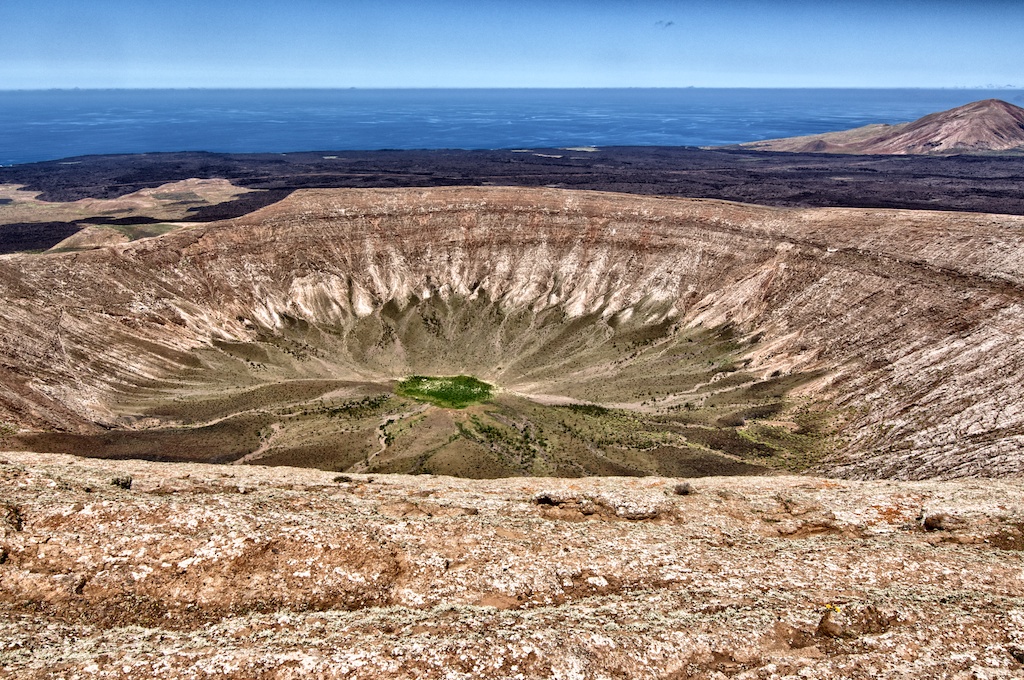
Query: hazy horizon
x,y
979,88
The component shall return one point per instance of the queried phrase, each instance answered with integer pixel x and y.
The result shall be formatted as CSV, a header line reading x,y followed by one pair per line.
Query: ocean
x,y
54,124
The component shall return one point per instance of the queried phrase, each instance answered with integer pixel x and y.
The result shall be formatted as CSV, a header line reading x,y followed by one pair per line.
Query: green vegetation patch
x,y
136,231
446,391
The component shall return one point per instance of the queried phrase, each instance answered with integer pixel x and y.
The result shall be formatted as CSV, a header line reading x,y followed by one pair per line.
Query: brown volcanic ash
x,y
911,320
985,126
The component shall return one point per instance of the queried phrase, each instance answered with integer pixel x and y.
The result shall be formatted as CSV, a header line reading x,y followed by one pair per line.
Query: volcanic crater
x,y
623,335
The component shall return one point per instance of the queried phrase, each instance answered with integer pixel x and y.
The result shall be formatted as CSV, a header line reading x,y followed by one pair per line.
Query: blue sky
x,y
486,43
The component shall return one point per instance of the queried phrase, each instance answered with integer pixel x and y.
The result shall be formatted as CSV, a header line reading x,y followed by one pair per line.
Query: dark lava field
x,y
963,183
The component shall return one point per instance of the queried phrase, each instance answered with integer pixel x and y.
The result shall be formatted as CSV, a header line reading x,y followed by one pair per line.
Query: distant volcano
x,y
983,127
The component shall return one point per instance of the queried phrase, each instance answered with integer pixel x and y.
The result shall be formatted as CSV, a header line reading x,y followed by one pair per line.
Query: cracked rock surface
x,y
127,569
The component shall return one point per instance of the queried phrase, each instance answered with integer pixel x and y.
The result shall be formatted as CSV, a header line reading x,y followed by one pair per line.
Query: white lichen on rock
x,y
183,575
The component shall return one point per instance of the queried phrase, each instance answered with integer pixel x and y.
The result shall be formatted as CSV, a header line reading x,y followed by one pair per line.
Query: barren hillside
x,y
985,126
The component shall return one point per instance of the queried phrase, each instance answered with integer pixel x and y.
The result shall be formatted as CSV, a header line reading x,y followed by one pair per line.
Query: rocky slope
x,y
985,126
898,330
120,569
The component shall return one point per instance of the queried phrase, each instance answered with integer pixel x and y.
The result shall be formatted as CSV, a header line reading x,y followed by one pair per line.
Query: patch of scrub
x,y
136,231
446,391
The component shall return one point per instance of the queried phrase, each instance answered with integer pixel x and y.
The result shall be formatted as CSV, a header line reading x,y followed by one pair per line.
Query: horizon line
x,y
526,87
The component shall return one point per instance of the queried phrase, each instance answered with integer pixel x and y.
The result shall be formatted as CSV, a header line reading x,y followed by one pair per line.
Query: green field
x,y
457,391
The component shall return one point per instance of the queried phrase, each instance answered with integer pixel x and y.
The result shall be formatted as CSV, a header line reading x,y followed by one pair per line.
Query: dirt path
x,y
275,428
382,437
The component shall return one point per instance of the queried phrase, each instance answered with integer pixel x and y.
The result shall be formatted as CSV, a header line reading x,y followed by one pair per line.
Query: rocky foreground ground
x,y
127,569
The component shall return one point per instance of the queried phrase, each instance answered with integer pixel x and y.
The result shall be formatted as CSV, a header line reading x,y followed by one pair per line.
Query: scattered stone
x,y
10,517
942,521
831,626
682,489
793,637
403,510
842,622
122,482
1008,537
